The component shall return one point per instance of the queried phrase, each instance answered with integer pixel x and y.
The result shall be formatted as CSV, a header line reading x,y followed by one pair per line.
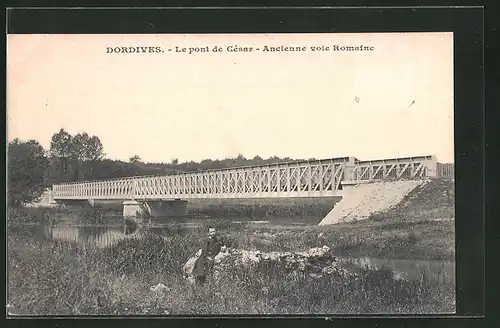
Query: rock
x,y
317,262
159,288
187,269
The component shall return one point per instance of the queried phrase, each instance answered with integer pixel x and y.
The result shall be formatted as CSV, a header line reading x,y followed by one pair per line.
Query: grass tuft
x,y
51,278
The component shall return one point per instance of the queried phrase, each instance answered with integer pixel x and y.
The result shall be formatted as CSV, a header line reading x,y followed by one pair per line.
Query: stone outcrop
x,y
316,262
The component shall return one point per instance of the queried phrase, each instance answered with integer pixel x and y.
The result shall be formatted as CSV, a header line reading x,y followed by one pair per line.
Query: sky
x,y
394,101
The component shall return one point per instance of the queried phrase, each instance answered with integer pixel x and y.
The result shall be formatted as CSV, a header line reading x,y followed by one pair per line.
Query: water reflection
x,y
92,236
410,269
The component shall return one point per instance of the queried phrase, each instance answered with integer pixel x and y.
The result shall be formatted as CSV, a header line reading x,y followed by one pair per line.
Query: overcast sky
x,y
394,101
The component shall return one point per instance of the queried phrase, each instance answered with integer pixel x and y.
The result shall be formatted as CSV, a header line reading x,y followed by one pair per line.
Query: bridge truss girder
x,y
319,178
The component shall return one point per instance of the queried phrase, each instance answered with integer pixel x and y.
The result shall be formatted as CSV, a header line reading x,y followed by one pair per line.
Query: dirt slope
x,y
361,201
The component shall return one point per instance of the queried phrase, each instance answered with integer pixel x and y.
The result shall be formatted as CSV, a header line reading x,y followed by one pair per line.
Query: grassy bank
x,y
47,277
431,201
388,238
422,240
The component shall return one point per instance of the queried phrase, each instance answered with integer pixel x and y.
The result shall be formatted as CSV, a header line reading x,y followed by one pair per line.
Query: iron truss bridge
x,y
318,178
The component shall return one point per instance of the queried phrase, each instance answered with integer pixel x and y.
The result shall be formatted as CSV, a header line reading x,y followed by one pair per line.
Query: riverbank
x,y
388,238
48,277
418,240
294,211
58,215
53,277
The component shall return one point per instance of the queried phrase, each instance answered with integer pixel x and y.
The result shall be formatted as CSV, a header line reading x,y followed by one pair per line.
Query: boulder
x,y
317,262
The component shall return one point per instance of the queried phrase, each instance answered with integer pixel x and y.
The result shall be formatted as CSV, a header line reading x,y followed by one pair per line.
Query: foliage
x,y
79,147
74,158
61,145
27,164
135,159
87,148
81,157
51,278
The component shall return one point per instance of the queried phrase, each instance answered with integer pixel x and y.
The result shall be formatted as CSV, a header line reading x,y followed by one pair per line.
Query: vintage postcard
x,y
230,174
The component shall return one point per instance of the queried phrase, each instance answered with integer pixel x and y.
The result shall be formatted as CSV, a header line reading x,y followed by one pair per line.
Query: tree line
x,y
32,169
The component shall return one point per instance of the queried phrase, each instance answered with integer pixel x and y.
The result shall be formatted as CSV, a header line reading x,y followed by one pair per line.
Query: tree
x,y
135,159
86,148
61,146
94,149
86,152
175,161
74,158
80,147
257,160
27,164
78,155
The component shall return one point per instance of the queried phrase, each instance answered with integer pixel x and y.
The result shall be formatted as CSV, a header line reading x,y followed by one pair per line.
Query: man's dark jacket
x,y
210,248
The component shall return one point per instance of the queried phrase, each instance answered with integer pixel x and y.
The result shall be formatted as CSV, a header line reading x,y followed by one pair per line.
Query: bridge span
x,y
161,195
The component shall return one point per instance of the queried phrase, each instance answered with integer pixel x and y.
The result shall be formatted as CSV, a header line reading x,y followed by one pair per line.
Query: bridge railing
x,y
105,189
446,169
396,168
285,180
295,179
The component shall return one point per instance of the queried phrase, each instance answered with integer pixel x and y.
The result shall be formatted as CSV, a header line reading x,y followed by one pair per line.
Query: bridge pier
x,y
349,169
131,209
155,208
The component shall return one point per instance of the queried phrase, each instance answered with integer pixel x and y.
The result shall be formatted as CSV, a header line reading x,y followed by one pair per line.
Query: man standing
x,y
204,264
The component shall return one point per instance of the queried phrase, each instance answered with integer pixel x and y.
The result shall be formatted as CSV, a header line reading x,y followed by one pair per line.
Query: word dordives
x,y
133,50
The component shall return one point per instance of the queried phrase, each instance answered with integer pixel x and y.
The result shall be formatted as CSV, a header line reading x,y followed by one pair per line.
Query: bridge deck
x,y
319,178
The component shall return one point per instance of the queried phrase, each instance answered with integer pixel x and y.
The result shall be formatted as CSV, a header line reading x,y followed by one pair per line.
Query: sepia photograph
x,y
230,174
